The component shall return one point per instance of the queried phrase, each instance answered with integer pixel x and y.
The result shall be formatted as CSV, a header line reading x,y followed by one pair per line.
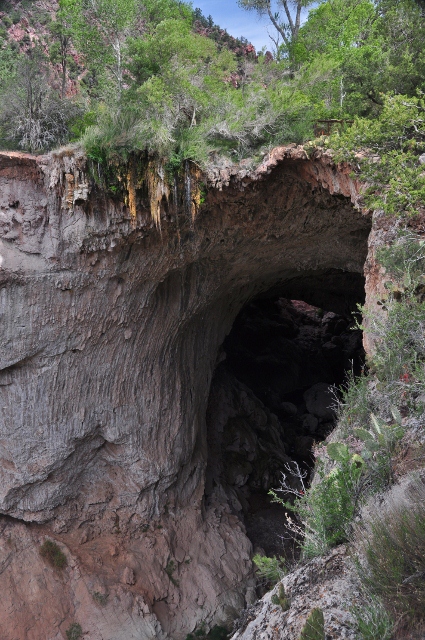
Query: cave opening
x,y
274,392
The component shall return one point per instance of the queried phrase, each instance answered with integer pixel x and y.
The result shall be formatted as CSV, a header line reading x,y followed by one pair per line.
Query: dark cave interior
x,y
271,400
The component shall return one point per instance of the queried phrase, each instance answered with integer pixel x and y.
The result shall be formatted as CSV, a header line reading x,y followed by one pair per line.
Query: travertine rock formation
x,y
110,330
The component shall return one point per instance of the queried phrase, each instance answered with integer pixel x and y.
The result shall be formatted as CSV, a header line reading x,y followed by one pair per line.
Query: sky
x,y
238,22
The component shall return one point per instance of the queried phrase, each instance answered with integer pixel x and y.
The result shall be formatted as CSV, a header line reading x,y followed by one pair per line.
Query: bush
x,y
404,260
51,552
32,115
325,511
314,628
392,551
373,621
74,632
100,598
393,141
355,404
216,633
281,599
269,569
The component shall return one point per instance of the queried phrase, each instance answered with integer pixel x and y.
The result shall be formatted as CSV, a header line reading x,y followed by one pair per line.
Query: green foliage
x,y
314,628
216,633
8,65
157,77
51,552
269,569
393,549
74,632
325,512
169,570
33,116
286,21
100,598
372,619
400,349
404,261
281,599
391,144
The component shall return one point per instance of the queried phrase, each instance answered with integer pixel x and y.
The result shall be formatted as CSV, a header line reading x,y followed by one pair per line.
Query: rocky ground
x,y
328,583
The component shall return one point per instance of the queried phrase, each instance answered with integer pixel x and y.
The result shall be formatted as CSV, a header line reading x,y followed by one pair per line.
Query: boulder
x,y
319,401
310,422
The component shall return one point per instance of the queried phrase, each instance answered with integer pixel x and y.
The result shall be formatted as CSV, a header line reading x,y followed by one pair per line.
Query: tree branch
x,y
288,14
277,25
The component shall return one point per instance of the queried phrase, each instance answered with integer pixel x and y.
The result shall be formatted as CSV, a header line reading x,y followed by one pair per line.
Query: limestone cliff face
x,y
110,330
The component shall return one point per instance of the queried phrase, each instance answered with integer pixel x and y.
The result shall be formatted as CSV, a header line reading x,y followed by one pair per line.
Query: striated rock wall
x,y
110,330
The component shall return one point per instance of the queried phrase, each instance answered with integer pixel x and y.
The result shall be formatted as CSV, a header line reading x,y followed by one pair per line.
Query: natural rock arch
x,y
110,334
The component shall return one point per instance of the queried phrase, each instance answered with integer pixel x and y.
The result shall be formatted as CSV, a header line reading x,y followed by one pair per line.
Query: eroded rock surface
x,y
328,583
110,330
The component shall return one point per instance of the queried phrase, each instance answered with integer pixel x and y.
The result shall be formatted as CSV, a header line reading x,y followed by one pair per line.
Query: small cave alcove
x,y
273,395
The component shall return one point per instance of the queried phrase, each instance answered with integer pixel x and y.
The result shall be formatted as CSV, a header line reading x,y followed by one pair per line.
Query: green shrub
x,y
404,260
15,16
216,633
394,141
392,547
51,552
100,598
355,404
372,620
281,599
325,511
169,570
74,632
269,569
314,628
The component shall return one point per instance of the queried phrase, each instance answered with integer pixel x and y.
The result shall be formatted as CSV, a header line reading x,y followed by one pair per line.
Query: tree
x,y
32,114
60,49
101,28
290,26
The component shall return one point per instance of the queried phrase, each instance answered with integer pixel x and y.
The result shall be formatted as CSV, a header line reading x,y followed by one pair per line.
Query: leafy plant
x,y
74,632
379,442
216,633
391,145
169,570
100,598
269,569
392,546
51,552
404,260
324,512
281,599
372,619
314,628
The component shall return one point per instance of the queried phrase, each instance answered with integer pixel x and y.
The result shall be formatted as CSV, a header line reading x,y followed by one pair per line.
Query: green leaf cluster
x,y
314,628
269,569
